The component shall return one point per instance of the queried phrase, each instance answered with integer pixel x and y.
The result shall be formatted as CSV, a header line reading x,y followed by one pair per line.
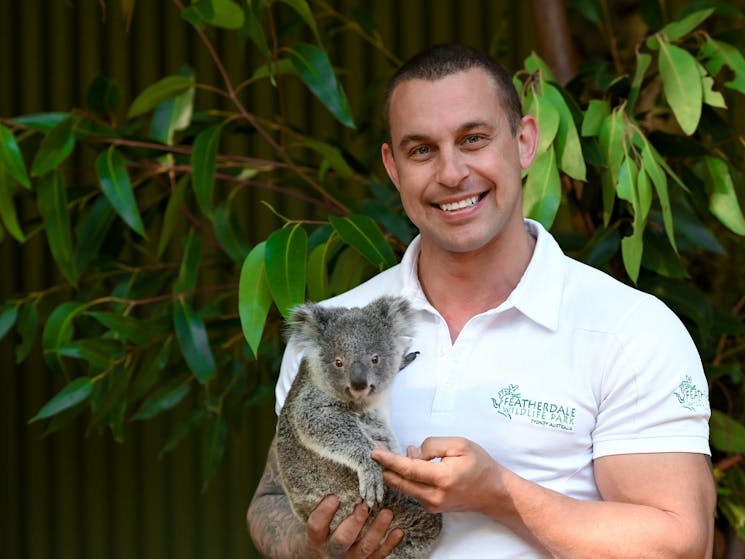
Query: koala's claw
x,y
372,486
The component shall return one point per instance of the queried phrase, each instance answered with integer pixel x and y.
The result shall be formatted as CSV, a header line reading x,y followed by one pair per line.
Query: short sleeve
x,y
654,395
287,372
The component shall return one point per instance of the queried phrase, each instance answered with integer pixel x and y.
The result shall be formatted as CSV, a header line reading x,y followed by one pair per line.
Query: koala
x,y
334,416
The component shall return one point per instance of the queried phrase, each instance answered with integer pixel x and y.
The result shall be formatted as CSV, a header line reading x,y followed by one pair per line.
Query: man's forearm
x,y
275,530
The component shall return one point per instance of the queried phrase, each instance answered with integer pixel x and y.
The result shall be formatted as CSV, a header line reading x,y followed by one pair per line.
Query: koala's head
x,y
354,353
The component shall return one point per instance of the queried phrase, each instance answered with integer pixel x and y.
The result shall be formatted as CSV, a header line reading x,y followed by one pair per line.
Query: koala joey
x,y
334,415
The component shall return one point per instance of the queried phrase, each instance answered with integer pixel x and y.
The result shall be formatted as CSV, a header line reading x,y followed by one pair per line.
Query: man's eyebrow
x,y
463,128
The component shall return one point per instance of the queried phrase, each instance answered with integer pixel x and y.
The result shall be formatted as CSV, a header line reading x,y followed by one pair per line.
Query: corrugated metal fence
x,y
75,494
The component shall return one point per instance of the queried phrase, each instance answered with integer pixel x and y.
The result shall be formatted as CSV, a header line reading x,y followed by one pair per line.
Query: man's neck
x,y
462,285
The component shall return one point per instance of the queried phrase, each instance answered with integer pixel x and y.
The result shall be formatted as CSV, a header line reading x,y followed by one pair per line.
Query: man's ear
x,y
386,154
527,140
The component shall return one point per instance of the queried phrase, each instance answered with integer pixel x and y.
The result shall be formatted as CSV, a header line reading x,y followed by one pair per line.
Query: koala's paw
x,y
371,484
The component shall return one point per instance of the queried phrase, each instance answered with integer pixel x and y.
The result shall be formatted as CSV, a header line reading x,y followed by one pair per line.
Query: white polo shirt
x,y
574,365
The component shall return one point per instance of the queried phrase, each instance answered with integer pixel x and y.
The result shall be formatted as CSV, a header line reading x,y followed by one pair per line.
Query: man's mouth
x,y
460,204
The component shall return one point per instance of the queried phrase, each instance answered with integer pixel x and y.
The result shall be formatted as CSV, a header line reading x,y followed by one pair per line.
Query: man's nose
x,y
452,168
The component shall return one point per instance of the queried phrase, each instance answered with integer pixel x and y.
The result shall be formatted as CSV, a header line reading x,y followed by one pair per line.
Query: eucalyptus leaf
x,y
11,157
166,398
51,199
717,55
111,169
254,297
542,192
285,260
317,272
140,332
55,148
226,14
535,64
193,341
58,331
547,117
174,114
27,327
174,210
162,90
217,434
93,232
8,317
362,233
303,9
643,60
313,66
8,213
727,435
597,112
203,161
189,270
682,85
677,29
658,177
569,155
77,391
723,201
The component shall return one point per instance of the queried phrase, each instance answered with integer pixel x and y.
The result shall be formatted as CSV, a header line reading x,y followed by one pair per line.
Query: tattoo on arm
x,y
274,528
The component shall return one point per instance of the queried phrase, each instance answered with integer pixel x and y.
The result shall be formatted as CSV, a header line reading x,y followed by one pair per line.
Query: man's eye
x,y
473,139
420,151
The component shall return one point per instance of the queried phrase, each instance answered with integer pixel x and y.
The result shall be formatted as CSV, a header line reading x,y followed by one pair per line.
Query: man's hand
x,y
456,482
343,542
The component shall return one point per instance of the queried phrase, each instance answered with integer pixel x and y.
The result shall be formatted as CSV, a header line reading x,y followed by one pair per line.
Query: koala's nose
x,y
358,376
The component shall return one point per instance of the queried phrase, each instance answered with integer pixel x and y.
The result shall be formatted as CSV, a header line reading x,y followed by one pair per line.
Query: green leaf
x,y
203,162
174,114
192,338
217,434
93,232
58,331
220,13
303,9
332,155
597,112
548,119
652,168
285,260
164,399
8,317
43,122
677,29
533,63
568,147
254,297
56,146
182,429
27,327
189,271
98,352
51,200
362,233
723,201
173,211
643,60
111,169
682,85
74,393
612,139
8,209
12,158
719,54
542,192
317,271
141,332
228,232
313,66
727,435
162,90
349,270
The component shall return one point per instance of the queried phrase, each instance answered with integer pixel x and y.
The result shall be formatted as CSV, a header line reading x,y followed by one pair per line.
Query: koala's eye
x,y
338,363
375,359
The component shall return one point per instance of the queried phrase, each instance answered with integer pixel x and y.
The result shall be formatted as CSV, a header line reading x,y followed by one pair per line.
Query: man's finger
x,y
410,469
369,544
347,532
319,520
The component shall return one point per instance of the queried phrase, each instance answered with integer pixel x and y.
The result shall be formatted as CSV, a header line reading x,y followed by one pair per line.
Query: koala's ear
x,y
307,322
396,311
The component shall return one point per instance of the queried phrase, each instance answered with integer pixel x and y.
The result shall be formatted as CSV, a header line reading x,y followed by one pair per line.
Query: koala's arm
x,y
275,530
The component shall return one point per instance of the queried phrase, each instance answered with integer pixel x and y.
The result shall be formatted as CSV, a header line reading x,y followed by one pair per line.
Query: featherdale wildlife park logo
x,y
510,403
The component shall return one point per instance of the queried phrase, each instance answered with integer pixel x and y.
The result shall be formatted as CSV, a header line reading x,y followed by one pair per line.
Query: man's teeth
x,y
459,205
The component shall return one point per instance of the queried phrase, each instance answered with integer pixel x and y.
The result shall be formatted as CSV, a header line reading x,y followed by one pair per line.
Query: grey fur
x,y
332,418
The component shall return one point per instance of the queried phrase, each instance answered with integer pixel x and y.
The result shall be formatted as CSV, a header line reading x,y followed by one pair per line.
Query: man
x,y
541,415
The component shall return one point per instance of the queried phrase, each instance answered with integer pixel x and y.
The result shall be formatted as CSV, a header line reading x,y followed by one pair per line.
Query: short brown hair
x,y
440,61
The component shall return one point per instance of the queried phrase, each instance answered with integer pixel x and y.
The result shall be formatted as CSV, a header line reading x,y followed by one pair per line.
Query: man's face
x,y
455,161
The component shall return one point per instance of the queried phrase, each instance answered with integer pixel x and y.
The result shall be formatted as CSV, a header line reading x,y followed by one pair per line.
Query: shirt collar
x,y
537,294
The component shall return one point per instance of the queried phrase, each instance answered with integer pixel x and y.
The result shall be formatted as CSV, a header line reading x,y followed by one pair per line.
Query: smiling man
x,y
552,410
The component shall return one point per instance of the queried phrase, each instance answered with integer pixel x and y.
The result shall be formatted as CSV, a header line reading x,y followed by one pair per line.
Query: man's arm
x,y
656,505
277,533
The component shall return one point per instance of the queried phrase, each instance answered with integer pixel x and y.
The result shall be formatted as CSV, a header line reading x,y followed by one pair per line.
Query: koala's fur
x,y
332,418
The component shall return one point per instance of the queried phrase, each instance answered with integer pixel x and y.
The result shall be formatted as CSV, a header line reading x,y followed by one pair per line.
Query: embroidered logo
x,y
509,402
690,397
